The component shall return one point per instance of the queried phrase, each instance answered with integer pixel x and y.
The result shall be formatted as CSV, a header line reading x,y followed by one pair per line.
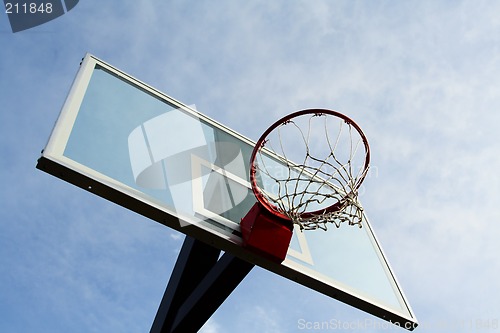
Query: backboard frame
x,y
55,163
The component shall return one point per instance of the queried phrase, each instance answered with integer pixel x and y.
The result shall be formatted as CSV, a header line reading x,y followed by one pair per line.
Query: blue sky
x,y
421,77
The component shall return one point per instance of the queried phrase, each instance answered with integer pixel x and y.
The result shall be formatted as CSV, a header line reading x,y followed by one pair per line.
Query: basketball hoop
x,y
307,168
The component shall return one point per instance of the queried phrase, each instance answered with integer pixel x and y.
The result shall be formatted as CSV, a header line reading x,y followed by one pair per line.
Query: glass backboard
x,y
133,145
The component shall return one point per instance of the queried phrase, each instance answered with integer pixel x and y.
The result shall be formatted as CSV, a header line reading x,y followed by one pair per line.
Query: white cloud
x,y
258,318
211,327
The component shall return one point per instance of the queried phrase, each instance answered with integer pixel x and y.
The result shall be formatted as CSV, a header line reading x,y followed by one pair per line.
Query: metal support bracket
x,y
199,284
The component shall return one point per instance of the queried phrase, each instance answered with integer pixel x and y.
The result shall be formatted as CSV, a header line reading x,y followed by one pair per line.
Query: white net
x,y
322,187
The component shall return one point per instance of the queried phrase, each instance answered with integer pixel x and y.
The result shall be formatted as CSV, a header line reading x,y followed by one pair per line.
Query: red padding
x,y
265,234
